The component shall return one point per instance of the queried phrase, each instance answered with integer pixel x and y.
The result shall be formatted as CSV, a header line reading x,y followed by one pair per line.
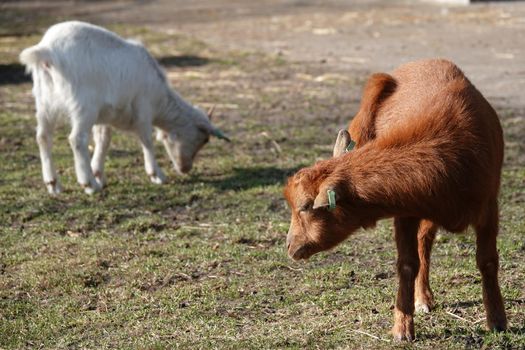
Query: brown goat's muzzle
x,y
298,250
302,252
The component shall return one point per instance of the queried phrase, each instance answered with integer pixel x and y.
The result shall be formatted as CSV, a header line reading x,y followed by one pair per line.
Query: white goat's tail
x,y
35,55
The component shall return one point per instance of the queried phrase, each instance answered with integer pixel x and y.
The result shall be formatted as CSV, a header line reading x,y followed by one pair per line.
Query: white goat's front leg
x,y
150,163
102,138
44,138
78,139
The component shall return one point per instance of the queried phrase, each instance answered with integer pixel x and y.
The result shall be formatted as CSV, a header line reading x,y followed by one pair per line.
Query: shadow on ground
x,y
246,178
471,303
183,61
13,73
463,304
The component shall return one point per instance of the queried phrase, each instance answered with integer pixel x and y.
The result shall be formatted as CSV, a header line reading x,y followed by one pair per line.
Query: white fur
x,y
95,78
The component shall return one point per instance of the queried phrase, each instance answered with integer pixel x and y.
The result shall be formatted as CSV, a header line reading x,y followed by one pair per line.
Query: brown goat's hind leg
x,y
487,261
407,268
424,299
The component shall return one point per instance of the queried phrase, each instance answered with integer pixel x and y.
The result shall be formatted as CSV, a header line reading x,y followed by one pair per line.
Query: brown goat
x,y
429,151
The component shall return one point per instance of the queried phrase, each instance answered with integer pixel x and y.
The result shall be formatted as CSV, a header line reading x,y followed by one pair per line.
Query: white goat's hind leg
x,y
44,138
78,139
150,164
102,138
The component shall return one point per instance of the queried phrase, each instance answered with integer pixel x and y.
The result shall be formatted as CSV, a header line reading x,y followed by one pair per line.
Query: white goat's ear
x,y
326,198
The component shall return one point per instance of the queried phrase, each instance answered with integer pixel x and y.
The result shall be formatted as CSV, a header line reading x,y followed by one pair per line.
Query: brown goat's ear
x,y
321,201
341,143
325,199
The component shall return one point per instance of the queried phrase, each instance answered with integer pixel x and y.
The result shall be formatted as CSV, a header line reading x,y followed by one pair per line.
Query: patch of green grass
x,y
201,262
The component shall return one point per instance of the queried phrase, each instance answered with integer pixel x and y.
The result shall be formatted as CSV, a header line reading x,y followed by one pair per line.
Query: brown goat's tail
x,y
378,88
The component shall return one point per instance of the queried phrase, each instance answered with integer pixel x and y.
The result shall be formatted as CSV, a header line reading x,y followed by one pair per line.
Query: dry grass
x,y
200,262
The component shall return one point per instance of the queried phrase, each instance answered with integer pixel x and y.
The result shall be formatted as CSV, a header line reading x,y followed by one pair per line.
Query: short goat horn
x,y
342,142
210,112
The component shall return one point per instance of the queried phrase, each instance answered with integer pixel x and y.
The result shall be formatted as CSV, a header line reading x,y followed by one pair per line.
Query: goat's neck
x,y
175,112
391,181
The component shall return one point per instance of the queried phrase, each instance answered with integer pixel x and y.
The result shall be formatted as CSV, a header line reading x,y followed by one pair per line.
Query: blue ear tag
x,y
350,146
331,199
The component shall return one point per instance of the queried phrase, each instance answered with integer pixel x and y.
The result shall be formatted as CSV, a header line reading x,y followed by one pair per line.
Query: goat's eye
x,y
305,207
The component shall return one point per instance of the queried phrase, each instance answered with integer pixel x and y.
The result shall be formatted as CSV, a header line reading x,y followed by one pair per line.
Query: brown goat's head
x,y
318,223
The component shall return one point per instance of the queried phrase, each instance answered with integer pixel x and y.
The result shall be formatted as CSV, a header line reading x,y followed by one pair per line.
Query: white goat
x,y
99,80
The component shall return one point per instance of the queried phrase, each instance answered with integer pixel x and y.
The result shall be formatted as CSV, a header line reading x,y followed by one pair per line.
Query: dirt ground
x,y
485,39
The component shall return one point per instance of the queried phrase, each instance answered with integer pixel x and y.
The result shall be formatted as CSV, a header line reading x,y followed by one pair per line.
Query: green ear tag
x,y
350,146
331,199
217,133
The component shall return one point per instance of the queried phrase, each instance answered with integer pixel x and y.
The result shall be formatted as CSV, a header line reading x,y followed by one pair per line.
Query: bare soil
x,y
485,39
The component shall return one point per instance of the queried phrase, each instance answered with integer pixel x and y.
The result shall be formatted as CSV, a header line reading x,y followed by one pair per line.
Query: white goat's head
x,y
183,143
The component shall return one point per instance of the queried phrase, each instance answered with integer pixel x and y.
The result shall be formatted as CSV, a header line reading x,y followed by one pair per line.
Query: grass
x,y
200,262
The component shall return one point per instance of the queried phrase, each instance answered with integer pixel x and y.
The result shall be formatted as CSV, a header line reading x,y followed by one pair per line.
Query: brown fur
x,y
429,151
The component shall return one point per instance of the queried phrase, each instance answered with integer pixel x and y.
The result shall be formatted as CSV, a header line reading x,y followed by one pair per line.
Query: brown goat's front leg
x,y
407,268
487,261
424,300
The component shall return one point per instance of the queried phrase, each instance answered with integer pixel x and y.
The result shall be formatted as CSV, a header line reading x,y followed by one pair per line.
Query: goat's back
x,y
431,105
421,88
95,64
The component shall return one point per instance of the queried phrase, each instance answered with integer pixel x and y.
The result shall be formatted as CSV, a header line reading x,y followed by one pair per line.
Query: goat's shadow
x,y
462,304
246,178
13,73
471,339
471,303
468,336
183,61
